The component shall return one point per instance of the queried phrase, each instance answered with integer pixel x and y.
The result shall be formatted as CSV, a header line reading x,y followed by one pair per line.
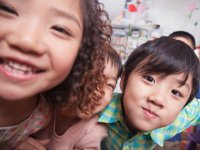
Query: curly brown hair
x,y
82,89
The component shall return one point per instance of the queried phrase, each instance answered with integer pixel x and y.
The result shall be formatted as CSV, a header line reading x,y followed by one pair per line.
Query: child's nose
x,y
157,98
28,39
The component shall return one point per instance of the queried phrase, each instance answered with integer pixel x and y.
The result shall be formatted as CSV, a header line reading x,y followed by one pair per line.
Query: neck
x,y
132,129
13,112
63,123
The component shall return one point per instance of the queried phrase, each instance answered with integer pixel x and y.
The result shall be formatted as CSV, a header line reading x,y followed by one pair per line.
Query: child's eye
x,y
111,85
149,79
176,93
8,9
61,30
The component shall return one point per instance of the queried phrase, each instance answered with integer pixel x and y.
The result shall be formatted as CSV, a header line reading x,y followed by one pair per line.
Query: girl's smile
x,y
18,70
39,43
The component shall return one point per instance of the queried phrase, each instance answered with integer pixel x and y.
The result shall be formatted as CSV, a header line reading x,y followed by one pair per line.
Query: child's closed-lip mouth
x,y
149,113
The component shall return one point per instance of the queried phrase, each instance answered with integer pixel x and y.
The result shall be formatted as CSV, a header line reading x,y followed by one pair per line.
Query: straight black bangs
x,y
162,68
164,56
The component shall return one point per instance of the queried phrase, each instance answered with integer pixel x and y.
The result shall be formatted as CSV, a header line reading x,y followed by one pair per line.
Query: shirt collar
x,y
113,112
158,136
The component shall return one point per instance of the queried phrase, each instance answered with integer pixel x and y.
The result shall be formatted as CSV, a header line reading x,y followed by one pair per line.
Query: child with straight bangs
x,y
185,37
49,51
80,130
160,77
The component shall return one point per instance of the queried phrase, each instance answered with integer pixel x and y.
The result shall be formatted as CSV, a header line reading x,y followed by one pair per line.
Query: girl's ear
x,y
122,81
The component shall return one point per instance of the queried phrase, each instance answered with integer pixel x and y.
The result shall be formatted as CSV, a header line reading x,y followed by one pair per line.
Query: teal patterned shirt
x,y
120,138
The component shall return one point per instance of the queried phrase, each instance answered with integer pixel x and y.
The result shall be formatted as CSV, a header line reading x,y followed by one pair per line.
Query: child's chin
x,y
145,128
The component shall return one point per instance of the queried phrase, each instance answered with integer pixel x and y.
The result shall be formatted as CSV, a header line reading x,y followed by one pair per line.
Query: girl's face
x,y
152,102
39,41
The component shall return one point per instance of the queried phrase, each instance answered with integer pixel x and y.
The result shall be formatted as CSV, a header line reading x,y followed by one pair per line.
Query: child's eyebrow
x,y
111,77
66,15
182,83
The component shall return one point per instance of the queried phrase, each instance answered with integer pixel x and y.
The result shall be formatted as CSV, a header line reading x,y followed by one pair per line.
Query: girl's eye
x,y
149,79
176,93
61,30
8,9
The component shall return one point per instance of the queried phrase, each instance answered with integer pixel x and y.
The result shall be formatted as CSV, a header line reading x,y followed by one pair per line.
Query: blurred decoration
x,y
136,11
120,17
138,2
142,8
132,8
192,7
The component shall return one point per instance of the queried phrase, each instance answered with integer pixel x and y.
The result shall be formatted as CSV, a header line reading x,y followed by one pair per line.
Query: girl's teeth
x,y
15,71
18,68
7,67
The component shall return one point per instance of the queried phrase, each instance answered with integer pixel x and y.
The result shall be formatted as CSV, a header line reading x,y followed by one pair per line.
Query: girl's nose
x,y
28,39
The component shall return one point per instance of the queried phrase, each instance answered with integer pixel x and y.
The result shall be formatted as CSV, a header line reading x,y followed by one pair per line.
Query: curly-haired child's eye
x,y
111,86
149,79
176,93
7,9
61,30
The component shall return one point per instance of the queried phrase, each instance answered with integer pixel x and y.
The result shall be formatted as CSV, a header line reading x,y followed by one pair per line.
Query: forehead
x,y
185,40
110,70
68,9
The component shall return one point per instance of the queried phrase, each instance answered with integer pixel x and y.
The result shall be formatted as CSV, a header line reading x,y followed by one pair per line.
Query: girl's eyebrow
x,y
67,16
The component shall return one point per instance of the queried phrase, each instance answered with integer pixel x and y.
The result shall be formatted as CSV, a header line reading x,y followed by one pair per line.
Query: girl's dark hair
x,y
185,35
165,56
82,89
114,58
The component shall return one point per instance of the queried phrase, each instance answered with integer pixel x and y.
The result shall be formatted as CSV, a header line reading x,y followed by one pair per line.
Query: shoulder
x,y
94,134
98,128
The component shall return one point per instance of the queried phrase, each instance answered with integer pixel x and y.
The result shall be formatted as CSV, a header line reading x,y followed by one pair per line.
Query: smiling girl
x,y
41,42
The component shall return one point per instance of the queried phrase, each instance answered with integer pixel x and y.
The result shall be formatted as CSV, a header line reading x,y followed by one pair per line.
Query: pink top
x,y
13,135
84,134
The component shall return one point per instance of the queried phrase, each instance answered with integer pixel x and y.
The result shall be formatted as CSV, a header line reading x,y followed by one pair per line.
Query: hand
x,y
32,144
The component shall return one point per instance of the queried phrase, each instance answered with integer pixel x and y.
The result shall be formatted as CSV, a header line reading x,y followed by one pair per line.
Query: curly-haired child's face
x,y
111,73
152,102
39,41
